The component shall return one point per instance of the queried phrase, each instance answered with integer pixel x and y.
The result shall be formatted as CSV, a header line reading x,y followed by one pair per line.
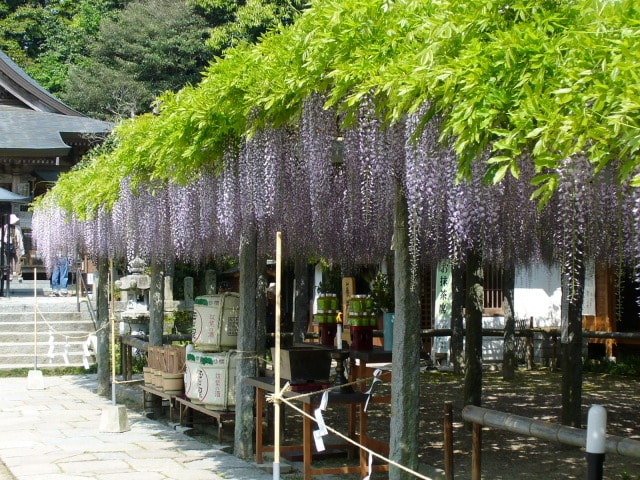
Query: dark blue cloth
x,y
60,275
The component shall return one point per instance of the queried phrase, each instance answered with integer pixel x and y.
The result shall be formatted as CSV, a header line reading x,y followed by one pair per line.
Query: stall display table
x,y
359,371
149,392
185,406
265,385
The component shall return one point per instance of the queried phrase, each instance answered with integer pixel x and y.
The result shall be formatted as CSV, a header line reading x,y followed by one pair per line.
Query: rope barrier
x,y
279,397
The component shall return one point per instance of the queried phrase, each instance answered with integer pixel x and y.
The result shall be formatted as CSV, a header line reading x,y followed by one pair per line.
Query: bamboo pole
x,y
276,361
113,334
35,318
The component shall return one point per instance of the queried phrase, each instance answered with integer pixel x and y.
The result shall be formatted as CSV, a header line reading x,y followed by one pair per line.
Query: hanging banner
x,y
442,313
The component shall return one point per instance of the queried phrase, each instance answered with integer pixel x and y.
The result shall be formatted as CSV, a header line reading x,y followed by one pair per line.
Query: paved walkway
x,y
53,434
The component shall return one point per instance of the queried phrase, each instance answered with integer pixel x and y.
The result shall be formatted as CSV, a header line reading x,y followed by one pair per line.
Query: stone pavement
x,y
53,434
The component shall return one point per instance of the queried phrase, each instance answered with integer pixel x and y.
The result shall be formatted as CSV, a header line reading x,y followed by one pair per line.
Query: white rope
x,y
278,397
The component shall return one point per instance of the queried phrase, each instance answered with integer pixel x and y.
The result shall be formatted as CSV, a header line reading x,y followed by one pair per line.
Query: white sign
x,y
442,314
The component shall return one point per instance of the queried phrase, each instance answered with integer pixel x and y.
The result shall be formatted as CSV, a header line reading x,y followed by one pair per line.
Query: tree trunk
x,y
103,357
301,299
509,360
156,304
405,383
473,349
571,346
246,362
457,316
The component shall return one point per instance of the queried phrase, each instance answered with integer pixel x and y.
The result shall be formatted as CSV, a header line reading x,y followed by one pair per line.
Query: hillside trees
x,y
150,47
45,37
237,21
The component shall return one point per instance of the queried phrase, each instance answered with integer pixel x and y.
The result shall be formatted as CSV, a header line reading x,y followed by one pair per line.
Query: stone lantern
x,y
134,289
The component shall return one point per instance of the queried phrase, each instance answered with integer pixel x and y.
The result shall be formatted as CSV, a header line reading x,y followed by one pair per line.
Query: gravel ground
x,y
507,456
534,394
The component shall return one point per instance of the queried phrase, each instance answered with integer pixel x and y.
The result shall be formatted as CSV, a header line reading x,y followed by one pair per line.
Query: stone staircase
x,y
60,327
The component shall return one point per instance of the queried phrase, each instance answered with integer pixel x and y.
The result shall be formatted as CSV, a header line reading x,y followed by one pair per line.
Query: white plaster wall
x,y
317,278
538,294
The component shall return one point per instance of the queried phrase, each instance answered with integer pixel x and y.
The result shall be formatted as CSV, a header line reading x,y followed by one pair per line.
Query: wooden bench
x,y
184,405
148,391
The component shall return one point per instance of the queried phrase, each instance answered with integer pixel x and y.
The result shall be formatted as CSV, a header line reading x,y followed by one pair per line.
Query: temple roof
x,y
34,123
27,133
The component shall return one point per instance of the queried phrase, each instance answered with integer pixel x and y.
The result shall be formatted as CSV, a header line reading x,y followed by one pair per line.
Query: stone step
x,y
60,334
74,357
65,319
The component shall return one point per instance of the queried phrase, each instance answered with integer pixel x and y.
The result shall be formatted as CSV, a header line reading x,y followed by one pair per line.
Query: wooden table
x,y
360,371
266,384
184,405
364,357
148,390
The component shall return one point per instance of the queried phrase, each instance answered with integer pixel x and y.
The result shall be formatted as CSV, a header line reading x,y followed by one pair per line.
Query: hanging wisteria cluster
x,y
329,187
56,234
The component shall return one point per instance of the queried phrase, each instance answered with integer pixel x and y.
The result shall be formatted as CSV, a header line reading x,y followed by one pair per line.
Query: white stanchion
x,y
276,361
114,417
596,442
35,380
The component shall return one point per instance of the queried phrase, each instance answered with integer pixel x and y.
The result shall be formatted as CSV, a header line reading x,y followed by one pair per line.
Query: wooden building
x,y
40,137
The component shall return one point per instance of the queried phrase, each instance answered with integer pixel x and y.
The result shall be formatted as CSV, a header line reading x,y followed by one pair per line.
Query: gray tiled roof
x,y
34,123
28,91
26,133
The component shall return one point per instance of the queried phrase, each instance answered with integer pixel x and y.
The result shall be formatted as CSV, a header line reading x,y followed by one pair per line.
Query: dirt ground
x,y
534,394
506,456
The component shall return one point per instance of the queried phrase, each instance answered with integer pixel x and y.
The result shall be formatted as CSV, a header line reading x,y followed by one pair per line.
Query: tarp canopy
x,y
7,196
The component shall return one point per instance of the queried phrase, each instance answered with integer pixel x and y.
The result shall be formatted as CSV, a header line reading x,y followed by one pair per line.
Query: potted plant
x,y
382,295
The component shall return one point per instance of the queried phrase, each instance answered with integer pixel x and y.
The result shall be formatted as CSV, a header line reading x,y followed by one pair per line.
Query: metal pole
x,y
596,442
276,361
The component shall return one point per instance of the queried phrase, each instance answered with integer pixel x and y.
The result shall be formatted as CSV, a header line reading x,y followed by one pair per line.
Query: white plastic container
x,y
216,386
192,367
215,322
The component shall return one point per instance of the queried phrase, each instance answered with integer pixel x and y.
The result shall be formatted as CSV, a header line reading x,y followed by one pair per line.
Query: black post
x,y
595,466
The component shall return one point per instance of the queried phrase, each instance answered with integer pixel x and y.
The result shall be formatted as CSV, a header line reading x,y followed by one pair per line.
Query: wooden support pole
x,y
476,455
448,440
530,348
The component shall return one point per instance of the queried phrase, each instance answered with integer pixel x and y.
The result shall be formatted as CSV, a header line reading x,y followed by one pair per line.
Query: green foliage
x,y
382,293
49,372
628,476
182,321
148,48
628,367
331,280
540,80
235,22
45,37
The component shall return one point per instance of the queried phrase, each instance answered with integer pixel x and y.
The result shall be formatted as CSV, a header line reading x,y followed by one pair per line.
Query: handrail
x,y
576,437
84,288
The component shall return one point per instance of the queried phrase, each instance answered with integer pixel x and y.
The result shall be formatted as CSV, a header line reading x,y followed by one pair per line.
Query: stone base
x,y
35,380
114,419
